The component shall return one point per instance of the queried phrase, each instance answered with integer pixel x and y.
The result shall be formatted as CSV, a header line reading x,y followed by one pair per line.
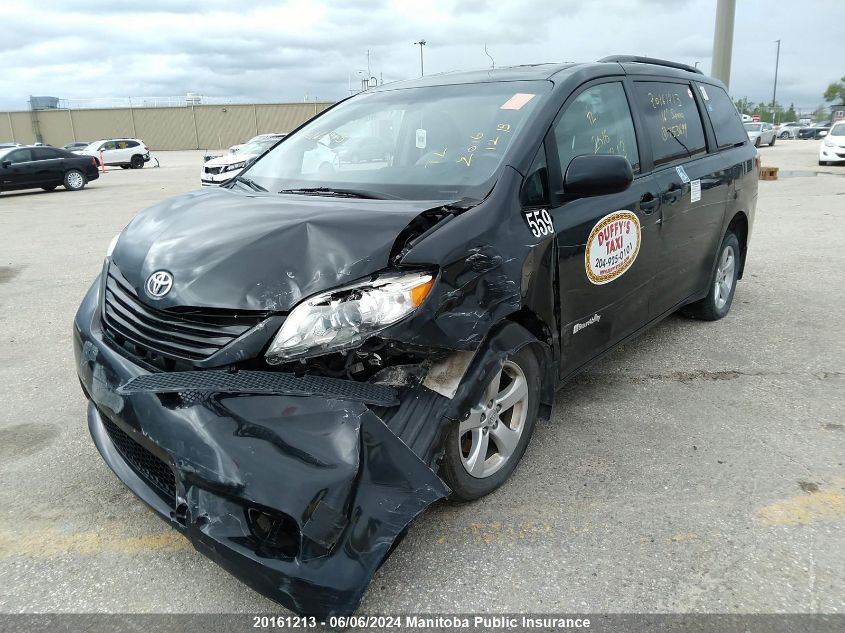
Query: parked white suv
x,y
129,153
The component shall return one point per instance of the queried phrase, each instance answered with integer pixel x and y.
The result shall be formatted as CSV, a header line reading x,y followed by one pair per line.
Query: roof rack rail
x,y
621,59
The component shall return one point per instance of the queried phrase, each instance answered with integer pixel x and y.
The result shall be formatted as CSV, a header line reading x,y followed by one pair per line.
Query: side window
x,y
535,188
131,143
44,153
671,119
598,121
20,156
108,146
727,122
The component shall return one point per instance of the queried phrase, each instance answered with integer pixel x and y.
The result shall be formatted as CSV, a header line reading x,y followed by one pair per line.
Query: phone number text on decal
x,y
612,260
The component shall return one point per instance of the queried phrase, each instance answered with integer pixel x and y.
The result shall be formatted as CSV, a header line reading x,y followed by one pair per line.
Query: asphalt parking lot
x,y
696,469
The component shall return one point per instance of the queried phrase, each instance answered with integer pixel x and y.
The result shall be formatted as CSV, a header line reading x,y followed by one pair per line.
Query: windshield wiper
x,y
331,191
249,183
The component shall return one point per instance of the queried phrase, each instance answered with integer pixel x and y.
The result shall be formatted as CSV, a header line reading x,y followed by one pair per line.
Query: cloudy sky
x,y
286,50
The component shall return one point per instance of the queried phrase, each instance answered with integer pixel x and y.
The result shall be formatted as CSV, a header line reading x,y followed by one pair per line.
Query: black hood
x,y
228,249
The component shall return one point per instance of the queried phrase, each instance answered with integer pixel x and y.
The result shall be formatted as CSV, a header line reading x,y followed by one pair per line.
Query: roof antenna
x,y
492,63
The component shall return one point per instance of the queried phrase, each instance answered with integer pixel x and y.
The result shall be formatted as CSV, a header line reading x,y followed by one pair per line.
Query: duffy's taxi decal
x,y
612,246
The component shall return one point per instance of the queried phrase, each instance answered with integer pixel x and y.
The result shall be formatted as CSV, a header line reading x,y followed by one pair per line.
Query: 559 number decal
x,y
540,222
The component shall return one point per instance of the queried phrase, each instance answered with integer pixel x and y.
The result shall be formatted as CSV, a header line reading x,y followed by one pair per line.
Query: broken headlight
x,y
347,316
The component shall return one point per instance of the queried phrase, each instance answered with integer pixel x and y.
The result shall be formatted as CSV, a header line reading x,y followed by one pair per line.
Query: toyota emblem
x,y
159,284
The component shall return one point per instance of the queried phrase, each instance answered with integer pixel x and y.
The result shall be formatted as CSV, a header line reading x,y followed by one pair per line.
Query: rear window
x,y
671,119
727,123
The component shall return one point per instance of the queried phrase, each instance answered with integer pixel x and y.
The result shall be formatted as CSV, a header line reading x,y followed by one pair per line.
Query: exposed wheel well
x,y
532,322
739,227
540,330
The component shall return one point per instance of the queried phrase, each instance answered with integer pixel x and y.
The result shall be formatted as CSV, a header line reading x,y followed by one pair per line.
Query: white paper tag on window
x,y
695,190
682,173
421,138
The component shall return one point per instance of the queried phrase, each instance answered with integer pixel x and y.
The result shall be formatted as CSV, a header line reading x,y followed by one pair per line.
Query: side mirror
x,y
6,163
596,175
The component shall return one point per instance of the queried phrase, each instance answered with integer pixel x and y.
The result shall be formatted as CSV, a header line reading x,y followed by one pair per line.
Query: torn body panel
x,y
358,435
215,467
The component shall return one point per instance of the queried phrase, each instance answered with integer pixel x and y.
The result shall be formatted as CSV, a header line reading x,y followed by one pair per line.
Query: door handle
x,y
648,203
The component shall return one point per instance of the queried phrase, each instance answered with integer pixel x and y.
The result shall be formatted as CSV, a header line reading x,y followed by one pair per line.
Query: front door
x,y
111,155
606,243
17,171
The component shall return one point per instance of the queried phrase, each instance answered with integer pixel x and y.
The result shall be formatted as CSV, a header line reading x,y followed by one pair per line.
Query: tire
x,y
504,441
784,135
50,188
718,301
773,141
75,180
137,162
757,142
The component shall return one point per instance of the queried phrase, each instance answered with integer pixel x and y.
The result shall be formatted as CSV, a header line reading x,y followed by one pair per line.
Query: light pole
x,y
775,90
723,41
421,43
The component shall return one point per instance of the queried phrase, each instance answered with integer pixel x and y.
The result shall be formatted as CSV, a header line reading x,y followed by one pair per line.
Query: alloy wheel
x,y
75,180
489,434
724,277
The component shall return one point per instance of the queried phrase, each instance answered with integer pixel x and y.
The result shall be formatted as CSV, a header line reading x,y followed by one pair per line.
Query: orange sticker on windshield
x,y
517,101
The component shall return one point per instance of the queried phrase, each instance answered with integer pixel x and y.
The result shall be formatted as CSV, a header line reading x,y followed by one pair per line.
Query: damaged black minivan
x,y
373,316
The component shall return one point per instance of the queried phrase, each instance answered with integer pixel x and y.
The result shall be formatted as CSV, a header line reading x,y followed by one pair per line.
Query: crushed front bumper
x,y
300,497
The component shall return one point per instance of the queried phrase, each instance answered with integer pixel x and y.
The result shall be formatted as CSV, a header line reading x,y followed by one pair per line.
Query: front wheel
x,y
784,135
137,162
75,180
773,141
485,446
718,301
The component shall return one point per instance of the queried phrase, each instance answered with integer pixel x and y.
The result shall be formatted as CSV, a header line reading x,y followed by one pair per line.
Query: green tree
x,y
744,105
836,91
790,115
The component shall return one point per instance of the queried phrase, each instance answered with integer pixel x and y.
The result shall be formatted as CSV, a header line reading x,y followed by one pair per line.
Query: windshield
x,y
837,130
432,143
752,127
257,147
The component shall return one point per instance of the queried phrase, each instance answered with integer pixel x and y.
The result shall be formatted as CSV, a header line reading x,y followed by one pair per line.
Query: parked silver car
x,y
761,133
788,129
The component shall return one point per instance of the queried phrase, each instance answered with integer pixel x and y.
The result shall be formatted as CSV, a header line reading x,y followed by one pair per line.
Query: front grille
x,y
146,465
188,335
213,170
